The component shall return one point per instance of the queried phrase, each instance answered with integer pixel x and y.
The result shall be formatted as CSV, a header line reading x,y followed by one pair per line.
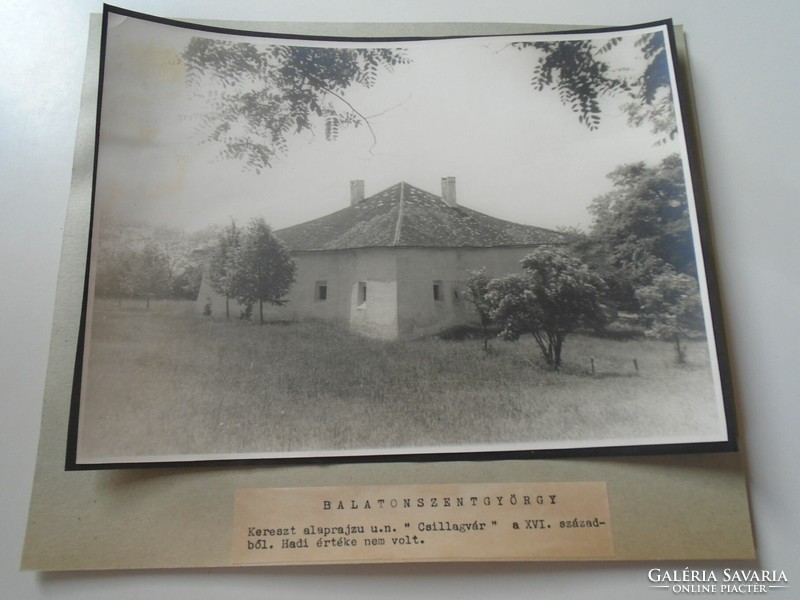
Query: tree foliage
x,y
141,261
647,212
575,71
582,73
111,273
671,304
641,243
653,101
259,95
555,294
640,228
476,294
148,275
185,285
223,264
265,270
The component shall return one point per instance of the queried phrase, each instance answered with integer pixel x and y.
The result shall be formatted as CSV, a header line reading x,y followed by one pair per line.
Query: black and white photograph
x,y
333,249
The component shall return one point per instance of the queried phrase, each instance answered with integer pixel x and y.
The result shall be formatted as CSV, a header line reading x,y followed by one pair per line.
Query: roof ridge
x,y
384,190
404,215
399,215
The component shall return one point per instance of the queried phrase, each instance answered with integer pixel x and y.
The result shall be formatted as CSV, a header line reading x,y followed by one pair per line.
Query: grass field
x,y
166,381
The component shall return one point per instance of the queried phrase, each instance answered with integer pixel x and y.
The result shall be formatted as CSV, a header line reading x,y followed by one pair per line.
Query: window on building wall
x,y
362,292
321,291
437,291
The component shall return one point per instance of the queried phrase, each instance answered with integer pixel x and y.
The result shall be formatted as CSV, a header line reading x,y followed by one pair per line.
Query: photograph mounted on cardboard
x,y
392,249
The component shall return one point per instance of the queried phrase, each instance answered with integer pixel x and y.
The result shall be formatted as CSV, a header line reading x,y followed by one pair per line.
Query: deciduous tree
x,y
476,294
186,283
112,271
223,265
647,213
265,270
149,275
671,304
640,228
555,294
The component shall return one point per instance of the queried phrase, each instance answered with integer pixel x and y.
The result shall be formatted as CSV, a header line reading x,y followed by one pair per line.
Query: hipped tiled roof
x,y
405,216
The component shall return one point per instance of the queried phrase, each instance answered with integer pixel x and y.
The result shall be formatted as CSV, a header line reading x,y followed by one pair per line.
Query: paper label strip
x,y
456,522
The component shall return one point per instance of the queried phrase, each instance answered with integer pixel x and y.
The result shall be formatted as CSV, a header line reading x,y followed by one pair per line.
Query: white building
x,y
394,264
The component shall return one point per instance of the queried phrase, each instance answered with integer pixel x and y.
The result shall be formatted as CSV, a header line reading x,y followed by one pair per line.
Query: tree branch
x,y
326,89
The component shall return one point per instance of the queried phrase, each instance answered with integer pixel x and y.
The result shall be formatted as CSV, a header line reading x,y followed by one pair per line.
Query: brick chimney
x,y
356,191
449,191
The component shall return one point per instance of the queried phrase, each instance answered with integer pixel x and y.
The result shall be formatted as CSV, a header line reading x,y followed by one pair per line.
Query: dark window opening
x,y
322,291
437,291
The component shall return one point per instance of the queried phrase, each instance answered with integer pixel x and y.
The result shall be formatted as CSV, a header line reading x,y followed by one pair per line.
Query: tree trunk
x,y
545,348
261,311
227,308
549,354
680,353
559,340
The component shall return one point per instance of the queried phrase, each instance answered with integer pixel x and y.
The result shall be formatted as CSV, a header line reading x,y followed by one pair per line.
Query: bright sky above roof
x,y
462,108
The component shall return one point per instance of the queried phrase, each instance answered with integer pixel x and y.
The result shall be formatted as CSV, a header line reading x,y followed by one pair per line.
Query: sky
x,y
463,108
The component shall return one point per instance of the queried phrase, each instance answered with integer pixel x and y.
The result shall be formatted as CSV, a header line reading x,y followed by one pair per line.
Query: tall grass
x,y
166,381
